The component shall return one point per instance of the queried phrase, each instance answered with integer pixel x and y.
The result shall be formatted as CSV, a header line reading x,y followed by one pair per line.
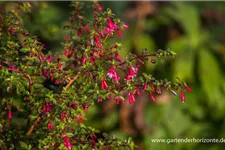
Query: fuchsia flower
x,y
189,89
65,36
67,142
112,74
40,58
132,72
152,97
79,32
145,86
44,72
125,26
117,57
9,114
182,96
99,99
80,120
13,69
119,100
93,143
83,60
85,106
66,52
131,98
12,29
159,91
100,8
64,116
87,29
119,32
137,91
49,59
104,85
47,108
50,125
97,41
74,105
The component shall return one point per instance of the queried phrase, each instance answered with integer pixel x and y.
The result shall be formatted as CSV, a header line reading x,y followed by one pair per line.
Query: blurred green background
x,y
195,31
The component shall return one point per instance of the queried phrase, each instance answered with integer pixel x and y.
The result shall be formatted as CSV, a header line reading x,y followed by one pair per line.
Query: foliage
x,y
50,93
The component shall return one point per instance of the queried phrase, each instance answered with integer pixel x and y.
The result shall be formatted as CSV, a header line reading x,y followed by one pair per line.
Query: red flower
x,y
40,58
112,74
47,107
49,59
119,100
74,105
117,57
125,26
137,91
145,86
97,41
119,32
93,143
29,80
104,85
9,114
131,98
83,60
64,116
189,89
182,97
12,29
100,8
132,72
87,29
99,100
65,36
66,52
50,125
80,120
152,97
159,91
153,88
67,142
79,32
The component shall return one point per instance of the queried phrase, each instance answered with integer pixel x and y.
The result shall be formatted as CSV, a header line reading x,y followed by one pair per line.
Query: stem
x,y
71,81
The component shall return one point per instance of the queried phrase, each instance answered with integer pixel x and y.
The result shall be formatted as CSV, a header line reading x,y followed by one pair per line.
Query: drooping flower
x,y
80,120
152,97
137,91
79,32
189,89
12,29
132,72
97,41
66,52
104,85
65,36
145,86
67,142
131,98
100,8
49,59
87,29
29,80
9,114
40,58
13,69
117,57
85,106
119,32
93,144
64,116
99,99
125,26
50,125
119,100
83,60
112,74
158,91
182,97
44,72
46,108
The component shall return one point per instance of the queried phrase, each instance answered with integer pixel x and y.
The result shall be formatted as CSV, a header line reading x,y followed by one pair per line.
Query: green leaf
x,y
210,76
24,145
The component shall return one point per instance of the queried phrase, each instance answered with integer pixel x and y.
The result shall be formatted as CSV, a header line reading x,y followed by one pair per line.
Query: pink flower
x,y
9,114
44,72
79,32
132,72
117,57
189,89
85,106
50,125
29,79
145,86
66,52
100,8
153,88
137,91
97,41
67,142
104,85
83,60
152,97
119,100
93,144
159,91
131,98
65,36
125,26
182,97
12,29
99,99
74,105
112,74
46,108
80,120
87,29
49,59
119,32
13,69
64,116
40,58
